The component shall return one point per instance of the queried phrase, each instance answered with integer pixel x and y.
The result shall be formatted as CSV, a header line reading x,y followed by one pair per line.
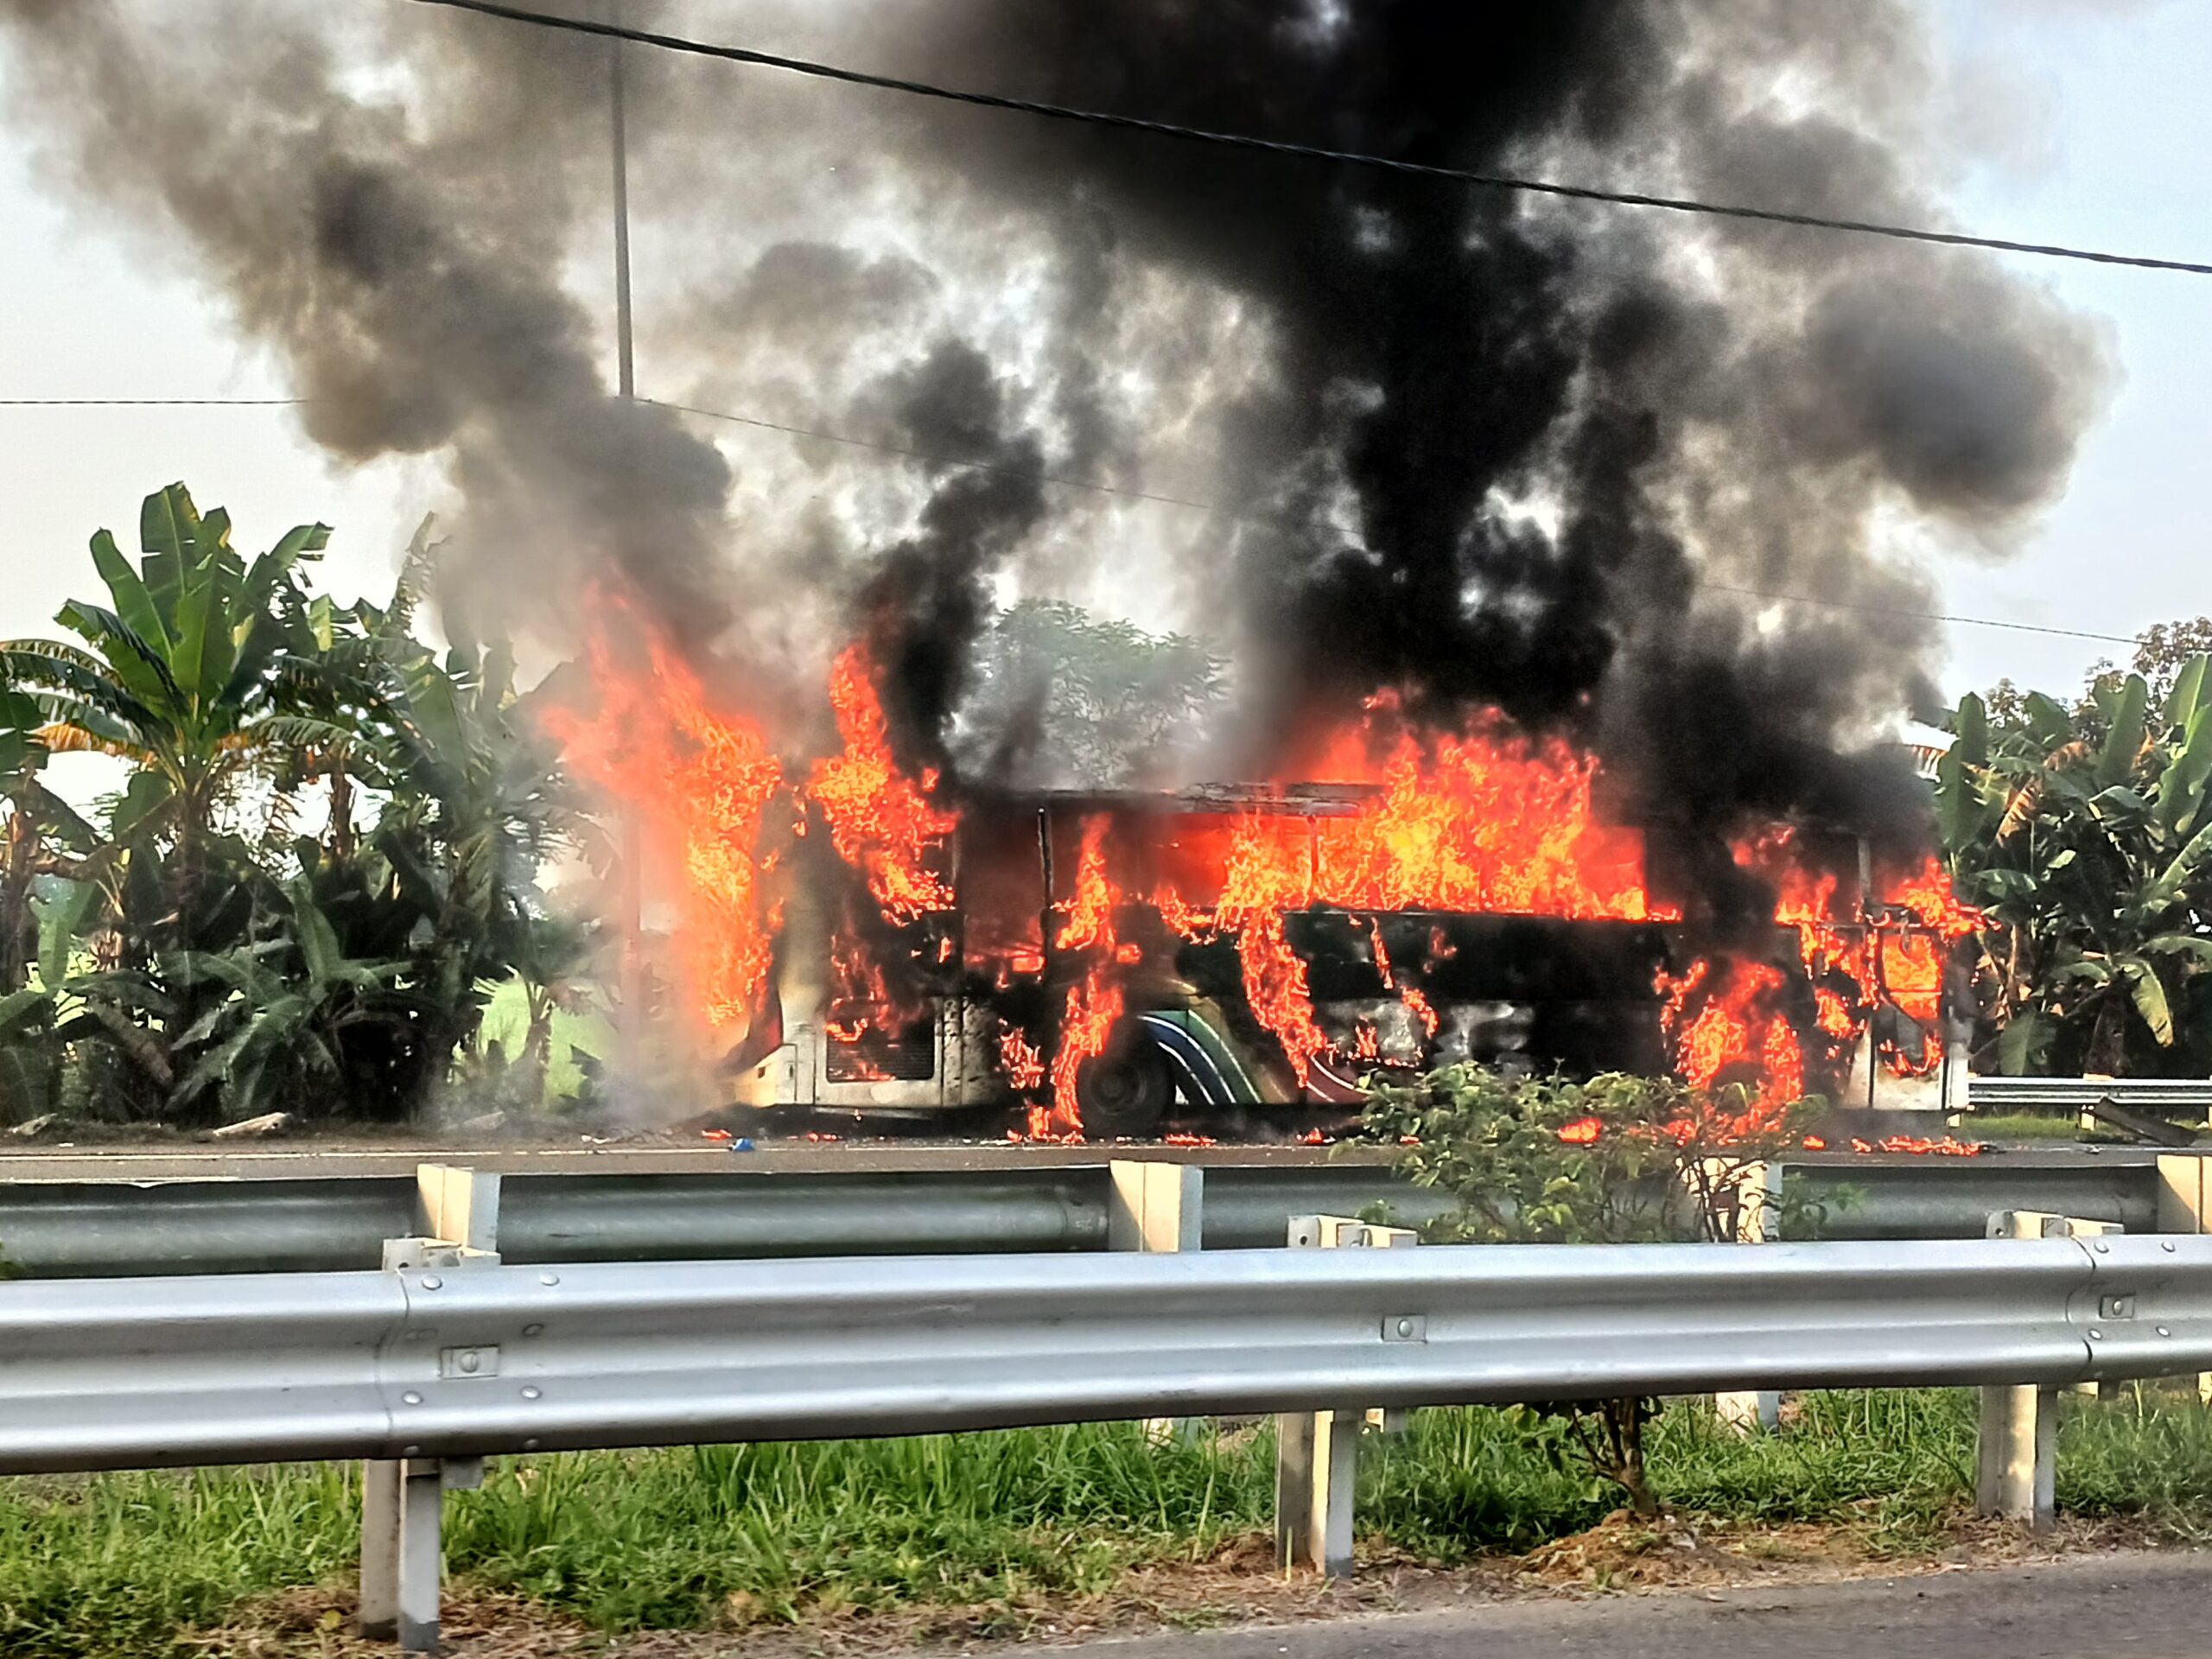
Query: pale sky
x,y
2108,131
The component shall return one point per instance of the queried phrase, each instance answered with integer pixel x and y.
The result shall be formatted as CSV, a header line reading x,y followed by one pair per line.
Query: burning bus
x,y
1097,963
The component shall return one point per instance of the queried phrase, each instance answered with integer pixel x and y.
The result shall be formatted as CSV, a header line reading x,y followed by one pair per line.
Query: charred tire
x,y
1128,1090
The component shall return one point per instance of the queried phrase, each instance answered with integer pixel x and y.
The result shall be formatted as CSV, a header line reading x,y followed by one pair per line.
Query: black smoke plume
x,y
1441,357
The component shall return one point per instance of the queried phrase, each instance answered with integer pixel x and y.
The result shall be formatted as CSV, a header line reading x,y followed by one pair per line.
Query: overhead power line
x,y
151,402
1312,152
1062,481
1917,616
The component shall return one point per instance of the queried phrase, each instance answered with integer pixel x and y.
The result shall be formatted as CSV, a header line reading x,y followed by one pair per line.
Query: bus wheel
x,y
1128,1090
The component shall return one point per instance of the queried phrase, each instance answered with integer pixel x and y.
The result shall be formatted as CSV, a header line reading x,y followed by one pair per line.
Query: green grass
x,y
2018,1126
129,1566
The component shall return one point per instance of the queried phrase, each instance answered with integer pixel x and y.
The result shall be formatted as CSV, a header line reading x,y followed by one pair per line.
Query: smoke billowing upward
x,y
1673,398
1483,449
925,604
410,281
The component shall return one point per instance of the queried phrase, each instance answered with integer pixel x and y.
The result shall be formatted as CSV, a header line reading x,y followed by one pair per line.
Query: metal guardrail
x,y
2188,1096
462,1361
77,1229
1953,1197
101,1229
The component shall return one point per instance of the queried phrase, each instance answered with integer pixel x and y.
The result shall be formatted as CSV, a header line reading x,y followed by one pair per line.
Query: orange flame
x,y
1487,822
882,822
1732,1021
1090,911
1920,1145
1896,957
857,995
863,1003
1582,1132
1021,1060
1095,1005
698,781
1484,820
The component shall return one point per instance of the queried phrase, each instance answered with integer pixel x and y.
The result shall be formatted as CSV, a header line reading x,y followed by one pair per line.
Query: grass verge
x,y
998,1526
2018,1126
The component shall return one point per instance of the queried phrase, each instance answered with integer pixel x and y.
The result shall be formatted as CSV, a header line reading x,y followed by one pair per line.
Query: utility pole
x,y
632,985
625,374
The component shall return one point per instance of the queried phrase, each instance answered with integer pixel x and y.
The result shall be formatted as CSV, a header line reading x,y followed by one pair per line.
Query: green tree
x,y
2161,652
1618,1160
442,886
1099,703
2084,836
2165,651
281,1036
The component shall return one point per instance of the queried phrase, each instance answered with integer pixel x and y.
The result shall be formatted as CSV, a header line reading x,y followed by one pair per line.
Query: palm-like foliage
x,y
196,973
191,672
300,1017
40,835
2087,835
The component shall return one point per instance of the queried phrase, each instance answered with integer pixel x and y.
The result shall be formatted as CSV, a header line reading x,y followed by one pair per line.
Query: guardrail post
x,y
377,1618
2015,1457
1317,1452
2016,1453
1156,1206
1752,1193
1316,1465
2183,1209
460,1206
421,1561
402,1500
405,1510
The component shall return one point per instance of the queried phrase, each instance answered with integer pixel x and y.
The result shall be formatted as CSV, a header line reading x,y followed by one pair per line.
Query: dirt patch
x,y
1239,1585
1625,1553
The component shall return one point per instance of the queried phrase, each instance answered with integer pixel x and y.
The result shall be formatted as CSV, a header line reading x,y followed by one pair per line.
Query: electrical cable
x,y
1312,152
1917,616
151,403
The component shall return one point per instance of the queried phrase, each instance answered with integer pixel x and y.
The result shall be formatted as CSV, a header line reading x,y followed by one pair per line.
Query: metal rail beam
x,y
460,1362
1953,1197
2010,1094
109,1229
98,1228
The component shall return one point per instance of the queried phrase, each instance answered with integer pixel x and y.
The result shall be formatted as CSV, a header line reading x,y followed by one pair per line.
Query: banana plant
x,y
186,672
43,833
2085,838
286,1030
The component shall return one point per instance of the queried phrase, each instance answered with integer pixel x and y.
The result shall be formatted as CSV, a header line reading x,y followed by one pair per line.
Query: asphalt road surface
x,y
2145,1606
